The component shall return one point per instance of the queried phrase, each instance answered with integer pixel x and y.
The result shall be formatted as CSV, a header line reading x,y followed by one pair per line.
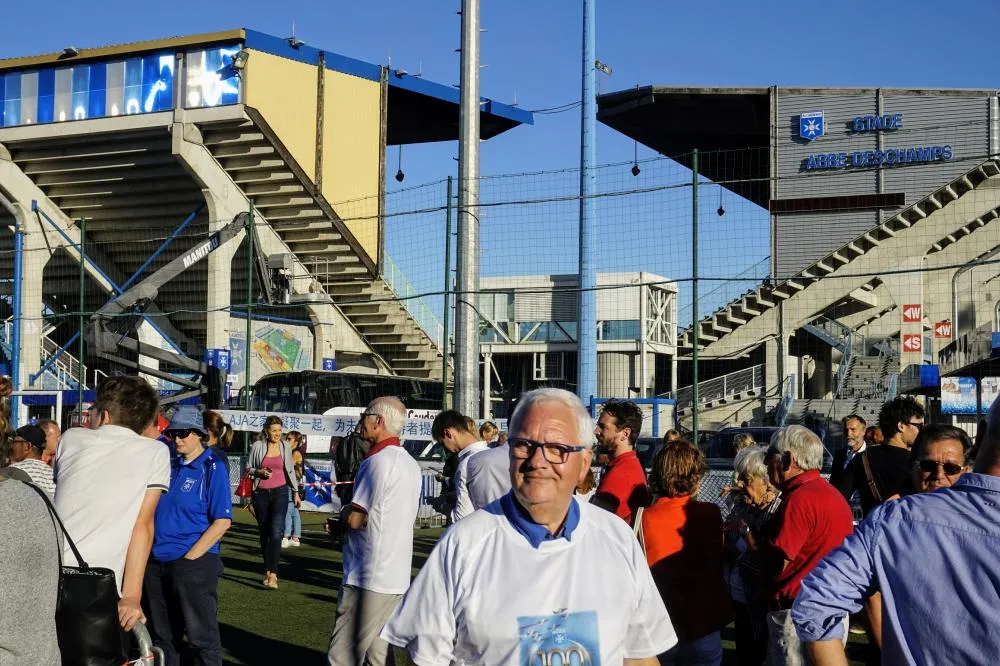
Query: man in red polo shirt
x,y
813,519
623,485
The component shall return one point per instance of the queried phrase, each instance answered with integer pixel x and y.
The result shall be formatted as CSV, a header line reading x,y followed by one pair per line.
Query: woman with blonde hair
x,y
488,431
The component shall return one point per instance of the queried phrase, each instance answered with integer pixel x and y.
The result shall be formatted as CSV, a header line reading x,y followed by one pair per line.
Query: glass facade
x,y
143,84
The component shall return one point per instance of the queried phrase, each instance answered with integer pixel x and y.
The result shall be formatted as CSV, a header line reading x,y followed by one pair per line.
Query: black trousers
x,y
181,599
269,507
750,650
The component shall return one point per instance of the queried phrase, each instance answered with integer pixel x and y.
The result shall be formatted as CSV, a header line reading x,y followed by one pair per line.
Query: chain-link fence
x,y
828,278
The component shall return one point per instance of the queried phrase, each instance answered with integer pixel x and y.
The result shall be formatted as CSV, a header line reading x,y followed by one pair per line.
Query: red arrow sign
x,y
942,329
911,313
913,342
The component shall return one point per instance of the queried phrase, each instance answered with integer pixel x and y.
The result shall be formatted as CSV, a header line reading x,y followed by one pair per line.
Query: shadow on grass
x,y
245,647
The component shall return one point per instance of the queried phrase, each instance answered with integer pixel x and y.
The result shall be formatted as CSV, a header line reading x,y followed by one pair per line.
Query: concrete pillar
x,y
223,202
35,258
324,333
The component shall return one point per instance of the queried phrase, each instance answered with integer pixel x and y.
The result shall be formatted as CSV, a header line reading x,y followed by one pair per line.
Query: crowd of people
x,y
542,563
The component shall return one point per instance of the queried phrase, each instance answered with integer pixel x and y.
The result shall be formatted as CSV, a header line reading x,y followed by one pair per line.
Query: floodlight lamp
x,y
400,176
240,59
295,42
635,169
70,52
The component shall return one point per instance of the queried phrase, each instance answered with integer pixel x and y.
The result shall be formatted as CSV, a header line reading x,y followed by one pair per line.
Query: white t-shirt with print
x,y
485,596
101,479
379,557
463,502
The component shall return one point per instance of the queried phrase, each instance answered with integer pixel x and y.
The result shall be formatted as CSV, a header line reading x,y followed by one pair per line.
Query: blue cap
x,y
187,417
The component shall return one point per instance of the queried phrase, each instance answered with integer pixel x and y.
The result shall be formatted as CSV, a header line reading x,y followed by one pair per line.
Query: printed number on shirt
x,y
560,638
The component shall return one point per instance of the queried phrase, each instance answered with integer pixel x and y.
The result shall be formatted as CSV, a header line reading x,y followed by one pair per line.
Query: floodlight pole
x,y
586,330
694,294
467,269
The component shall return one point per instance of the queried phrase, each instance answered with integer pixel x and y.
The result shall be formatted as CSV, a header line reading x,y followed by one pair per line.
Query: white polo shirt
x,y
379,557
463,502
487,475
101,478
486,595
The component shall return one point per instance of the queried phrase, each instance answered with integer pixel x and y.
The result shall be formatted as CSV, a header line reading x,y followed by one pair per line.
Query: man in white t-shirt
x,y
487,475
378,555
108,482
514,584
451,429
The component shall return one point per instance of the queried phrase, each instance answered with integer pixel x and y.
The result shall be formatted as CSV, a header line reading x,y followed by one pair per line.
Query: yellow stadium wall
x,y
284,92
351,150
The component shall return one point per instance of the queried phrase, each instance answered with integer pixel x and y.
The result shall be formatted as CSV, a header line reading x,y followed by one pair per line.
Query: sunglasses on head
x,y
930,466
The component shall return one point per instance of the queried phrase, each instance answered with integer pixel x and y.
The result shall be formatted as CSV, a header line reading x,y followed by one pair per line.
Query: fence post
x,y
82,374
447,299
694,293
246,346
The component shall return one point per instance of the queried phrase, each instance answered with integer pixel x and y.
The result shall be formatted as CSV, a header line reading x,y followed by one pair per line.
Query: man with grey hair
x,y
813,519
513,584
379,549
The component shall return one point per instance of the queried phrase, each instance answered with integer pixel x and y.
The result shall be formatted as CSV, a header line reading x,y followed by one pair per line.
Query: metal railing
x,y
63,372
717,388
416,306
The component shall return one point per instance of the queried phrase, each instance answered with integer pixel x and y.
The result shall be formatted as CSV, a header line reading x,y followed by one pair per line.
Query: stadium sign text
x,y
876,158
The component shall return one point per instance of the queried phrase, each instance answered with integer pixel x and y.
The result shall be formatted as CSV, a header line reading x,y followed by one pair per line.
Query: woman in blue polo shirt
x,y
184,565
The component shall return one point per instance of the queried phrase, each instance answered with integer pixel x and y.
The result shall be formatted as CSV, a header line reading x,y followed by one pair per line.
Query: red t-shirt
x,y
813,519
623,487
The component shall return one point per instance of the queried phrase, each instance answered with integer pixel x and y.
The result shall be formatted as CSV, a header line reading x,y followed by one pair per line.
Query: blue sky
x,y
532,50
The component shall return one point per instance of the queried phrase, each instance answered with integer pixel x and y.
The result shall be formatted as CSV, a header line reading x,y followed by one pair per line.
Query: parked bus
x,y
316,391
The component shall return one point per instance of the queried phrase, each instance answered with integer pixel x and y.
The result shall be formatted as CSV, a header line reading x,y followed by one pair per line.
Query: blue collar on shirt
x,y
985,482
521,521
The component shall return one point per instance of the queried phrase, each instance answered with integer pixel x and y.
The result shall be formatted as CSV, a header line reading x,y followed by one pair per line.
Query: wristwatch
x,y
745,530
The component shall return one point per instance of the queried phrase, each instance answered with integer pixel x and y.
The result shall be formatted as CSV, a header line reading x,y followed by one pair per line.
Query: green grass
x,y
292,625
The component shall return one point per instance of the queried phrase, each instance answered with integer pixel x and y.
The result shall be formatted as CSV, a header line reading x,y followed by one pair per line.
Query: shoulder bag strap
x,y
637,529
55,516
871,479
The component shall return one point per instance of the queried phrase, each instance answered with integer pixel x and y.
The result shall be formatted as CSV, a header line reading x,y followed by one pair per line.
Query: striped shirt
x,y
40,473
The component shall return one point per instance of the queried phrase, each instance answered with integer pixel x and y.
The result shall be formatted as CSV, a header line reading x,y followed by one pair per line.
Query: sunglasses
x,y
931,466
180,434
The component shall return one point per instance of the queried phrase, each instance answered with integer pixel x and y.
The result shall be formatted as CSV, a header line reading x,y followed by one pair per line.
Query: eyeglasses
x,y
364,414
179,434
554,453
931,466
918,426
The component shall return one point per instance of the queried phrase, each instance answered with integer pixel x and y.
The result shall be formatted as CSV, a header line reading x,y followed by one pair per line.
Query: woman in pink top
x,y
271,463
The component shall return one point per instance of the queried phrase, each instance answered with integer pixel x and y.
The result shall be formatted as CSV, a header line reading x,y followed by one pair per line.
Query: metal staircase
x,y
60,375
283,194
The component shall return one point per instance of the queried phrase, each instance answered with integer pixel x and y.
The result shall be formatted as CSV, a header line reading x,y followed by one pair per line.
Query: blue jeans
x,y
269,507
293,521
704,651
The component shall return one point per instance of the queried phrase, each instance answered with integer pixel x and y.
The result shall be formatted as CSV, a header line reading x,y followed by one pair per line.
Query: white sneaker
x,y
296,543
285,542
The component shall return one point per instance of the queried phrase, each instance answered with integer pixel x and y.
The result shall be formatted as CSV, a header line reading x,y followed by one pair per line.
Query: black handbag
x,y
87,624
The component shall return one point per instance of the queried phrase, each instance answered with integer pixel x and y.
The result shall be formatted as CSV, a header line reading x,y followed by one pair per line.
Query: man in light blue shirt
x,y
934,558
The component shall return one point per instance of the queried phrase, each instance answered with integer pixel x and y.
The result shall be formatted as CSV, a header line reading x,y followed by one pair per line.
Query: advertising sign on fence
x,y
989,390
958,395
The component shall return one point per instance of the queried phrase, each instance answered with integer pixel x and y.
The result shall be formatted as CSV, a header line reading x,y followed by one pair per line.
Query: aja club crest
x,y
811,125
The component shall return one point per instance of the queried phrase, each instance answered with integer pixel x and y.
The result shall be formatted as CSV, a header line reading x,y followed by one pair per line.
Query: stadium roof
x,y
419,110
